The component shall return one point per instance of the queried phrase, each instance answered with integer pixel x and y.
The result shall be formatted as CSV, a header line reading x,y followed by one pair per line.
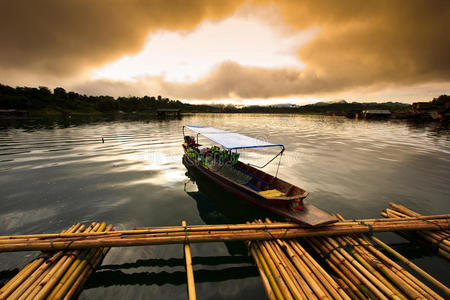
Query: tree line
x,y
59,100
42,98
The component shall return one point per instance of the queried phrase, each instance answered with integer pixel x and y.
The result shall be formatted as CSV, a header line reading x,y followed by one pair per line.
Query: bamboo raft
x,y
439,239
57,275
358,270
337,261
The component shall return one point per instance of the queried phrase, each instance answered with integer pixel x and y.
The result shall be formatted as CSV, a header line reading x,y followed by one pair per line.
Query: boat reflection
x,y
216,206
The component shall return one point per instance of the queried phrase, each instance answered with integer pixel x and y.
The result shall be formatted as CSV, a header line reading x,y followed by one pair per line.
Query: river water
x,y
55,173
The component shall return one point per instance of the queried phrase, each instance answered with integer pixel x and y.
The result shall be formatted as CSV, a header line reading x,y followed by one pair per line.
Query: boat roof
x,y
230,140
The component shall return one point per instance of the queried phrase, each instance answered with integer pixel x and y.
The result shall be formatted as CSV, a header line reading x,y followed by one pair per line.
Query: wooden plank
x,y
310,215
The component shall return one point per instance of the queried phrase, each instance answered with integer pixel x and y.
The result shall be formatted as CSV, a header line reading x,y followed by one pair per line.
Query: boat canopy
x,y
230,140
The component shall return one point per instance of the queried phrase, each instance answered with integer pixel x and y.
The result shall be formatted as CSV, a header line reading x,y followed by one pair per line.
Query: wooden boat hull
x,y
310,215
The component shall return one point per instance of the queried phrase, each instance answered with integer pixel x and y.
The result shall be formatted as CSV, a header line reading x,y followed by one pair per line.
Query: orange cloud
x,y
52,38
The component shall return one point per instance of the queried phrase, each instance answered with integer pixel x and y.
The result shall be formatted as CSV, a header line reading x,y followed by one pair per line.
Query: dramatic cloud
x,y
63,38
361,45
375,41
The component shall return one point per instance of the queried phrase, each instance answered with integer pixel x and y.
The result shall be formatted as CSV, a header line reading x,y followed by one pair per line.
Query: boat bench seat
x,y
272,193
254,187
253,176
233,174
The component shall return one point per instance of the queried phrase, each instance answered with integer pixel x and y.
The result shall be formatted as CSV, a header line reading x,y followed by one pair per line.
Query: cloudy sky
x,y
230,51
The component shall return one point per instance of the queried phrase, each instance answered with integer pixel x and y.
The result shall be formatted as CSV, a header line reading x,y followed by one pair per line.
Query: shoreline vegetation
x,y
41,102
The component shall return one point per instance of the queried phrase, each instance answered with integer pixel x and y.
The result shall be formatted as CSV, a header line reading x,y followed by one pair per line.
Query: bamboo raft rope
x,y
440,239
213,233
57,275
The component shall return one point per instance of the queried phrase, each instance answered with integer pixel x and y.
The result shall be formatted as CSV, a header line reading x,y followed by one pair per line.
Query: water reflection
x,y
116,277
180,262
217,206
108,275
67,121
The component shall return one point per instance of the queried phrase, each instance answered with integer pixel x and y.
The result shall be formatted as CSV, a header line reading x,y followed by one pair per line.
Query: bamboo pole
x,y
305,272
391,275
341,269
41,282
275,288
76,287
35,278
308,277
206,236
62,268
291,290
304,289
408,283
68,272
424,239
39,277
273,269
265,279
438,238
400,271
79,265
346,288
189,270
374,285
335,290
23,275
350,284
404,209
370,263
19,278
400,276
225,227
295,283
410,264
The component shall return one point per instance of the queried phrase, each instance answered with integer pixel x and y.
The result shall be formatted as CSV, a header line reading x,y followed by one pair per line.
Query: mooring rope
x,y
186,238
436,245
365,224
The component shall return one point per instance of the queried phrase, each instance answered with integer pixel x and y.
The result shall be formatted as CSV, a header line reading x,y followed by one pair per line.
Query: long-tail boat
x,y
223,167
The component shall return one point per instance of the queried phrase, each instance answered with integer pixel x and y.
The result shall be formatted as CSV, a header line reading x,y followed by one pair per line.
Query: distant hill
x,y
330,102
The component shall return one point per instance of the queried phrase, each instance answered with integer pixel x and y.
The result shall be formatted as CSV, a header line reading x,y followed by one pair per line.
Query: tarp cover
x,y
230,140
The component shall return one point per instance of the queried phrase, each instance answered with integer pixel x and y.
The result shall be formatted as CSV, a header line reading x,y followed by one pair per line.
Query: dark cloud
x,y
53,38
362,44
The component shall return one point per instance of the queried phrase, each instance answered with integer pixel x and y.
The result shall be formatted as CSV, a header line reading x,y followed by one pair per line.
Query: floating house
x,y
169,112
376,114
